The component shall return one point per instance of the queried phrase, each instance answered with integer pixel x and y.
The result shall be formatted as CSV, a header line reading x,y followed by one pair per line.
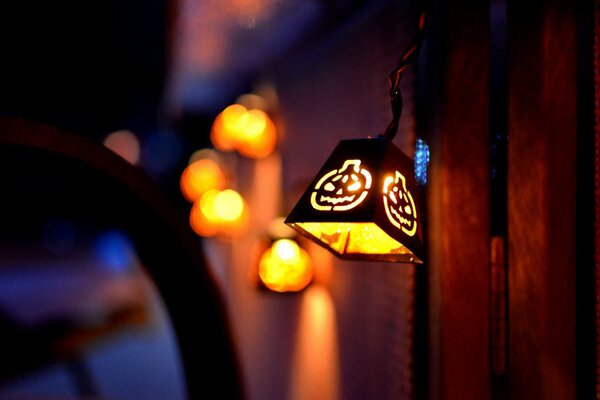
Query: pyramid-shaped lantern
x,y
362,205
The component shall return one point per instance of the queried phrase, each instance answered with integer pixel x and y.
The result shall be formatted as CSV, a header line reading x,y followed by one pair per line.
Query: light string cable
x,y
407,59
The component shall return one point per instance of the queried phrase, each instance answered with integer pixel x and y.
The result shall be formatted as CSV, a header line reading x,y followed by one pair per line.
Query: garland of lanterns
x,y
220,212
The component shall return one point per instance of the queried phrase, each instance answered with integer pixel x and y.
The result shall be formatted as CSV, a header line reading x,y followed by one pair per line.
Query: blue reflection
x,y
421,161
115,251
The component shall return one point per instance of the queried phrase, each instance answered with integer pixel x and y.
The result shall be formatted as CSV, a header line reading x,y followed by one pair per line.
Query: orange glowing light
x,y
400,209
315,363
361,204
226,127
285,267
229,205
353,238
203,219
258,136
219,213
200,176
250,132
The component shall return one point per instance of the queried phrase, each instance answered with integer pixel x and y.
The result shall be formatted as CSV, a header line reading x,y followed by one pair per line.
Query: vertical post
x,y
542,99
459,207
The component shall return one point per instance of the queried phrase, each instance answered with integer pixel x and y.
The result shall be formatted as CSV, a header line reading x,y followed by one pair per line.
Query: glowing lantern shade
x,y
361,205
285,267
199,177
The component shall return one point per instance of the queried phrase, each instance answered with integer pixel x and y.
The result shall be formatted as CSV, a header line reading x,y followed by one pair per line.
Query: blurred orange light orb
x,y
226,127
229,205
219,213
258,137
250,132
203,219
285,267
200,176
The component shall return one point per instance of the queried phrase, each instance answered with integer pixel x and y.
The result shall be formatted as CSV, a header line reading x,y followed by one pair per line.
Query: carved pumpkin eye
x,y
400,208
342,189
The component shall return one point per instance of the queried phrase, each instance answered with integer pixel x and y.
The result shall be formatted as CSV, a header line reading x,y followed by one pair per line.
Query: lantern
x,y
361,205
285,267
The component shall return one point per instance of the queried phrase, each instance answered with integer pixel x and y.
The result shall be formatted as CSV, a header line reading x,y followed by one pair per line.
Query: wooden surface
x,y
541,199
459,221
542,190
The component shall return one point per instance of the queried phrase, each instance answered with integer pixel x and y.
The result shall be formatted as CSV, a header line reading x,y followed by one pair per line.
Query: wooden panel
x,y
541,187
459,217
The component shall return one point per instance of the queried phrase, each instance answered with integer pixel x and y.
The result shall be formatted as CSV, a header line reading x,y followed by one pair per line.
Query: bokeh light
x,y
250,132
115,251
258,135
285,267
201,176
218,212
226,127
124,143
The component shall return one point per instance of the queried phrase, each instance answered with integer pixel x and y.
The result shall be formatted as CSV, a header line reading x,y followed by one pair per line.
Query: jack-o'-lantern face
x,y
342,189
399,205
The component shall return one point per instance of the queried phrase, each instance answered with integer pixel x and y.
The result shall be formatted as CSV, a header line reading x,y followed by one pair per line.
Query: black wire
x,y
407,59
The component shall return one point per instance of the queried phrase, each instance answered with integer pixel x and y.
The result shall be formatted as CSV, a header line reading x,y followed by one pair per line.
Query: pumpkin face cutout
x,y
399,205
341,189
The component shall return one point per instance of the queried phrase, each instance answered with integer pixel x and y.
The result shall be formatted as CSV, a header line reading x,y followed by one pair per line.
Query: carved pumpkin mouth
x,y
337,200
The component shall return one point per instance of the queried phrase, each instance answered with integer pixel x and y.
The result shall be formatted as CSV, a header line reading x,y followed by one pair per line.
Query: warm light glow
x,y
219,213
277,228
250,132
200,176
228,205
315,367
203,219
285,267
125,144
343,189
400,209
354,238
287,250
361,204
257,136
227,126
